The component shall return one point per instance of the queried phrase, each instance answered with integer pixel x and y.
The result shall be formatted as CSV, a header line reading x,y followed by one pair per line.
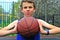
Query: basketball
x,y
28,26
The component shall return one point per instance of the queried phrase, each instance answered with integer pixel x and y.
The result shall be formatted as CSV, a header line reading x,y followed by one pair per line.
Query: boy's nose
x,y
28,9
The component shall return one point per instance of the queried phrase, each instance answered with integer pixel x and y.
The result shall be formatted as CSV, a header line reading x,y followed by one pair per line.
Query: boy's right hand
x,y
14,30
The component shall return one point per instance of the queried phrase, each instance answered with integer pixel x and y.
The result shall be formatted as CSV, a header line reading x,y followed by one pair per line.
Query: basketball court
x,y
7,38
42,38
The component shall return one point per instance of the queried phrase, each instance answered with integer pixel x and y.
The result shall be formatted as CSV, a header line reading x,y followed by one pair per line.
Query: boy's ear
x,y
34,10
21,10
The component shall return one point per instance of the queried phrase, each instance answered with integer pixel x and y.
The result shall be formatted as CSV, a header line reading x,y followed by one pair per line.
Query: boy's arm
x,y
53,29
11,25
45,24
5,32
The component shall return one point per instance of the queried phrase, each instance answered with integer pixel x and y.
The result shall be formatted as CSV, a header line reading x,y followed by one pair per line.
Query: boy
x,y
28,8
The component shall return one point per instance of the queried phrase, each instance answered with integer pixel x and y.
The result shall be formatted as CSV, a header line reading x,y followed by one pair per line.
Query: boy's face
x,y
28,8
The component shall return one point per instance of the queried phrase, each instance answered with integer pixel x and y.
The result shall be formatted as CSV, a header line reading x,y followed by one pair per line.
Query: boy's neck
x,y
28,16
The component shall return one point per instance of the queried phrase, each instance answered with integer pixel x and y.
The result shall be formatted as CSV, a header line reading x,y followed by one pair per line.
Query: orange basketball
x,y
28,26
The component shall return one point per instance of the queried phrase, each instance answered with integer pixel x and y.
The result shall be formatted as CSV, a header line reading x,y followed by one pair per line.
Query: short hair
x,y
29,1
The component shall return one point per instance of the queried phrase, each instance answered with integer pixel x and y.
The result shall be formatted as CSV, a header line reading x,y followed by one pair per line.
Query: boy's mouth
x,y
28,13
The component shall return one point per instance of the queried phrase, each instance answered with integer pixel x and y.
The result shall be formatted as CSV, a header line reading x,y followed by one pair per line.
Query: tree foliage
x,y
1,10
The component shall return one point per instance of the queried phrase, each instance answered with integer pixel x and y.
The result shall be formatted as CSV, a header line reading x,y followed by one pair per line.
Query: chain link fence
x,y
48,10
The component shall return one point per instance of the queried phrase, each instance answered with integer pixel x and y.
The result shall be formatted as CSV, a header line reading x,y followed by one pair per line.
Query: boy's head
x,y
29,1
28,7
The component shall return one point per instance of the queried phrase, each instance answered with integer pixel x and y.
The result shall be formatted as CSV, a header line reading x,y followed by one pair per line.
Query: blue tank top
x,y
36,37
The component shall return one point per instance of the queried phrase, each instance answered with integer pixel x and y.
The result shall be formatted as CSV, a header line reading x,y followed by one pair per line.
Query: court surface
x,y
42,38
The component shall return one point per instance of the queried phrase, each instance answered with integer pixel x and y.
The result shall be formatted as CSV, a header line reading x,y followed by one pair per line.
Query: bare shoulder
x,y
39,20
15,21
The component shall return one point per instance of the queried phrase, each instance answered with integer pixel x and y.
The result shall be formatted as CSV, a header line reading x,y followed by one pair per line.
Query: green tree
x,y
17,9
1,16
1,10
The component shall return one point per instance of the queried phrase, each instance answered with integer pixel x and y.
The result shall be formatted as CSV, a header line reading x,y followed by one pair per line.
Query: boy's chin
x,y
28,15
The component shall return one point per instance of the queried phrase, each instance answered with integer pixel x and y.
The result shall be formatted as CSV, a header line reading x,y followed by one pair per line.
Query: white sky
x,y
7,6
8,0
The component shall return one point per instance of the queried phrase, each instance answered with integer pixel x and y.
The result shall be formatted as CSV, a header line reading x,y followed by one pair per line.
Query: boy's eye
x,y
30,7
25,7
